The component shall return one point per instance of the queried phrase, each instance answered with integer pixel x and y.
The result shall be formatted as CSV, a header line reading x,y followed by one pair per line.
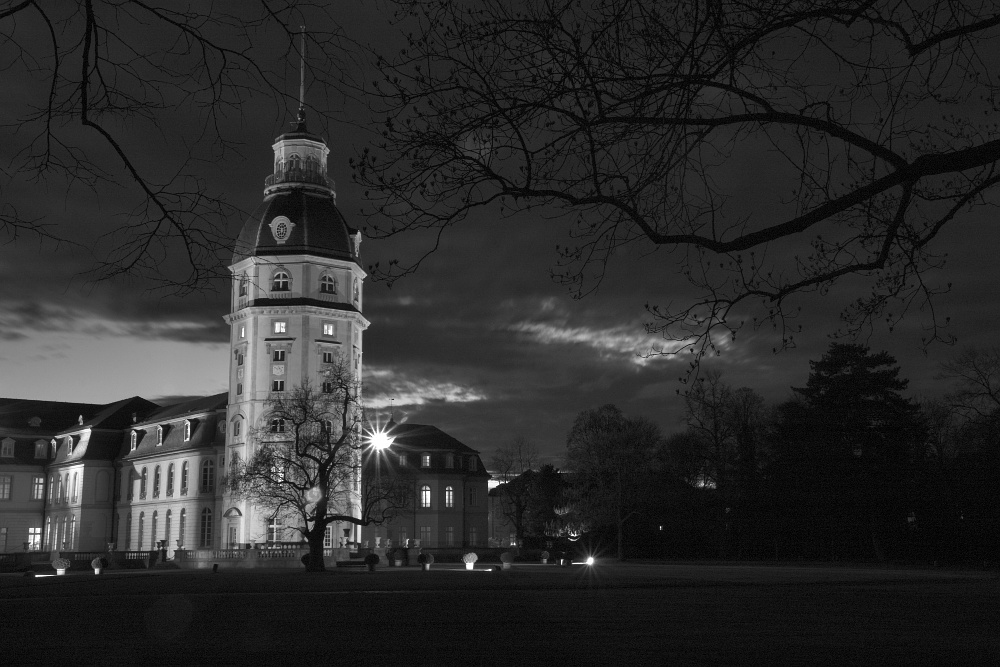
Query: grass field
x,y
634,613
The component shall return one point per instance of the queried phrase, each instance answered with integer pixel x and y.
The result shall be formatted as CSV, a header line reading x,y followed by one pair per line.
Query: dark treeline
x,y
847,469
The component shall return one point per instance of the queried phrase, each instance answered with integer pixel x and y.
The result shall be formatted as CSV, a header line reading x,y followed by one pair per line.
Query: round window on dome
x,y
281,228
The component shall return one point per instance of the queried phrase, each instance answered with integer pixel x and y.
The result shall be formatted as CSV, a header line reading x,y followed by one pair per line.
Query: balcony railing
x,y
299,176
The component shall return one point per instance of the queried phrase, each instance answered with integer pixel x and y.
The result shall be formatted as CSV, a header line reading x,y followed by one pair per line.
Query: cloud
x,y
399,388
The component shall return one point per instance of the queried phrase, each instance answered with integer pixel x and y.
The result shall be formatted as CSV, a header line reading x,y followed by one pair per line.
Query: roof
x,y
201,411
54,416
422,436
317,227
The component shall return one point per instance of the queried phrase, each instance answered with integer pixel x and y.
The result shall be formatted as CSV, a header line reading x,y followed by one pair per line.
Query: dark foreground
x,y
607,615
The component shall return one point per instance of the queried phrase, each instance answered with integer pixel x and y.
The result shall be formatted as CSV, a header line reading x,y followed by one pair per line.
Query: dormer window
x,y
328,284
472,463
402,460
133,441
40,447
159,436
69,445
55,447
425,460
7,447
449,460
357,291
187,430
280,282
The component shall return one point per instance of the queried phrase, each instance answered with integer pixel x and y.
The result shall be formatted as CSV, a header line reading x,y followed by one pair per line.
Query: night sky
x,y
480,342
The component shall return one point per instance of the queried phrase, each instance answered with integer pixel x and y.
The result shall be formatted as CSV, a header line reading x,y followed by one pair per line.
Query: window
x,y
473,497
357,290
279,355
35,538
166,528
74,487
402,460
6,481
275,530
425,460
244,285
52,489
156,482
279,327
159,436
329,329
277,425
243,331
327,284
180,531
142,521
69,445
425,535
239,389
39,449
449,496
473,537
71,533
328,537
425,496
38,487
142,485
184,479
237,428
7,447
208,476
328,387
472,463
206,528
277,385
328,357
152,533
449,460
64,493
133,441
187,430
55,447
170,480
279,283
449,536
48,532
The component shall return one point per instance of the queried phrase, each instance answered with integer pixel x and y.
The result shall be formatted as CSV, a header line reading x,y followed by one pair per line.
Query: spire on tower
x,y
302,83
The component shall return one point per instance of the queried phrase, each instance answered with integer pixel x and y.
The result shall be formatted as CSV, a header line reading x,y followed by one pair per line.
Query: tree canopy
x,y
766,149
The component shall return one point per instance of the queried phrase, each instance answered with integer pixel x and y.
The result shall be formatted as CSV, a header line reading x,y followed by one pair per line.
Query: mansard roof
x,y
202,412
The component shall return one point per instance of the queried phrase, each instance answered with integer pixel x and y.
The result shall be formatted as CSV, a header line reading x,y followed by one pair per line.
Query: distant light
x,y
590,560
380,440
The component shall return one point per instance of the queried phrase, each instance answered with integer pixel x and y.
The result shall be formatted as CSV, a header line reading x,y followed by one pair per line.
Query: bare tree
x,y
307,464
772,148
976,376
512,463
134,102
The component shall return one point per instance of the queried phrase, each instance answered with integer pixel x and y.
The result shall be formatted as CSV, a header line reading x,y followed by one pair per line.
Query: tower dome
x,y
299,214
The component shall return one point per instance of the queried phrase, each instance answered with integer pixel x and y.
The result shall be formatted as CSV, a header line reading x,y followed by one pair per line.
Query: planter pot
x,y
425,566
398,563
61,572
506,566
97,570
545,561
468,566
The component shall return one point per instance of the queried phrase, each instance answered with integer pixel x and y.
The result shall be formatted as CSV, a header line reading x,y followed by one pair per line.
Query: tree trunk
x,y
314,560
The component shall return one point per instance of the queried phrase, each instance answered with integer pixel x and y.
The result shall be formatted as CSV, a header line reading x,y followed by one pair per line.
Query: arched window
x,y
156,482
166,529
244,285
133,441
425,496
279,282
187,430
206,528
152,533
53,485
142,484
328,284
180,530
449,496
142,520
294,161
48,533
277,425
159,436
128,531
170,480
75,479
184,479
357,290
208,476
237,429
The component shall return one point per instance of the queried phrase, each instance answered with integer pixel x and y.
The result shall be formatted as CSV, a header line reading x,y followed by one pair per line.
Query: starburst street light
x,y
380,440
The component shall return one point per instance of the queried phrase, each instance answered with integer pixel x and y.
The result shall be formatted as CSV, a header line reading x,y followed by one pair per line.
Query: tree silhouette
x,y
765,149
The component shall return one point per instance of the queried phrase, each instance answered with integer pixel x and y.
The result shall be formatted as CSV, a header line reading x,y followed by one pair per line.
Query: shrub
x,y
99,562
470,557
371,559
425,559
545,555
506,557
60,564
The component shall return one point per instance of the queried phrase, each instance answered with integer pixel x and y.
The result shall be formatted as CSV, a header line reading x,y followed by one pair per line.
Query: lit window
x,y
327,284
280,326
170,480
208,477
187,430
277,385
7,447
277,425
156,482
328,357
142,484
279,283
275,530
38,487
449,460
278,355
133,441
159,436
449,496
425,460
184,479
206,527
329,329
6,482
402,459
40,449
425,496
35,538
244,285
243,331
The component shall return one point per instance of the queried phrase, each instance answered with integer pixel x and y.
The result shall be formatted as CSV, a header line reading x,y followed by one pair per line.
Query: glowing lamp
x,y
380,440
590,560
